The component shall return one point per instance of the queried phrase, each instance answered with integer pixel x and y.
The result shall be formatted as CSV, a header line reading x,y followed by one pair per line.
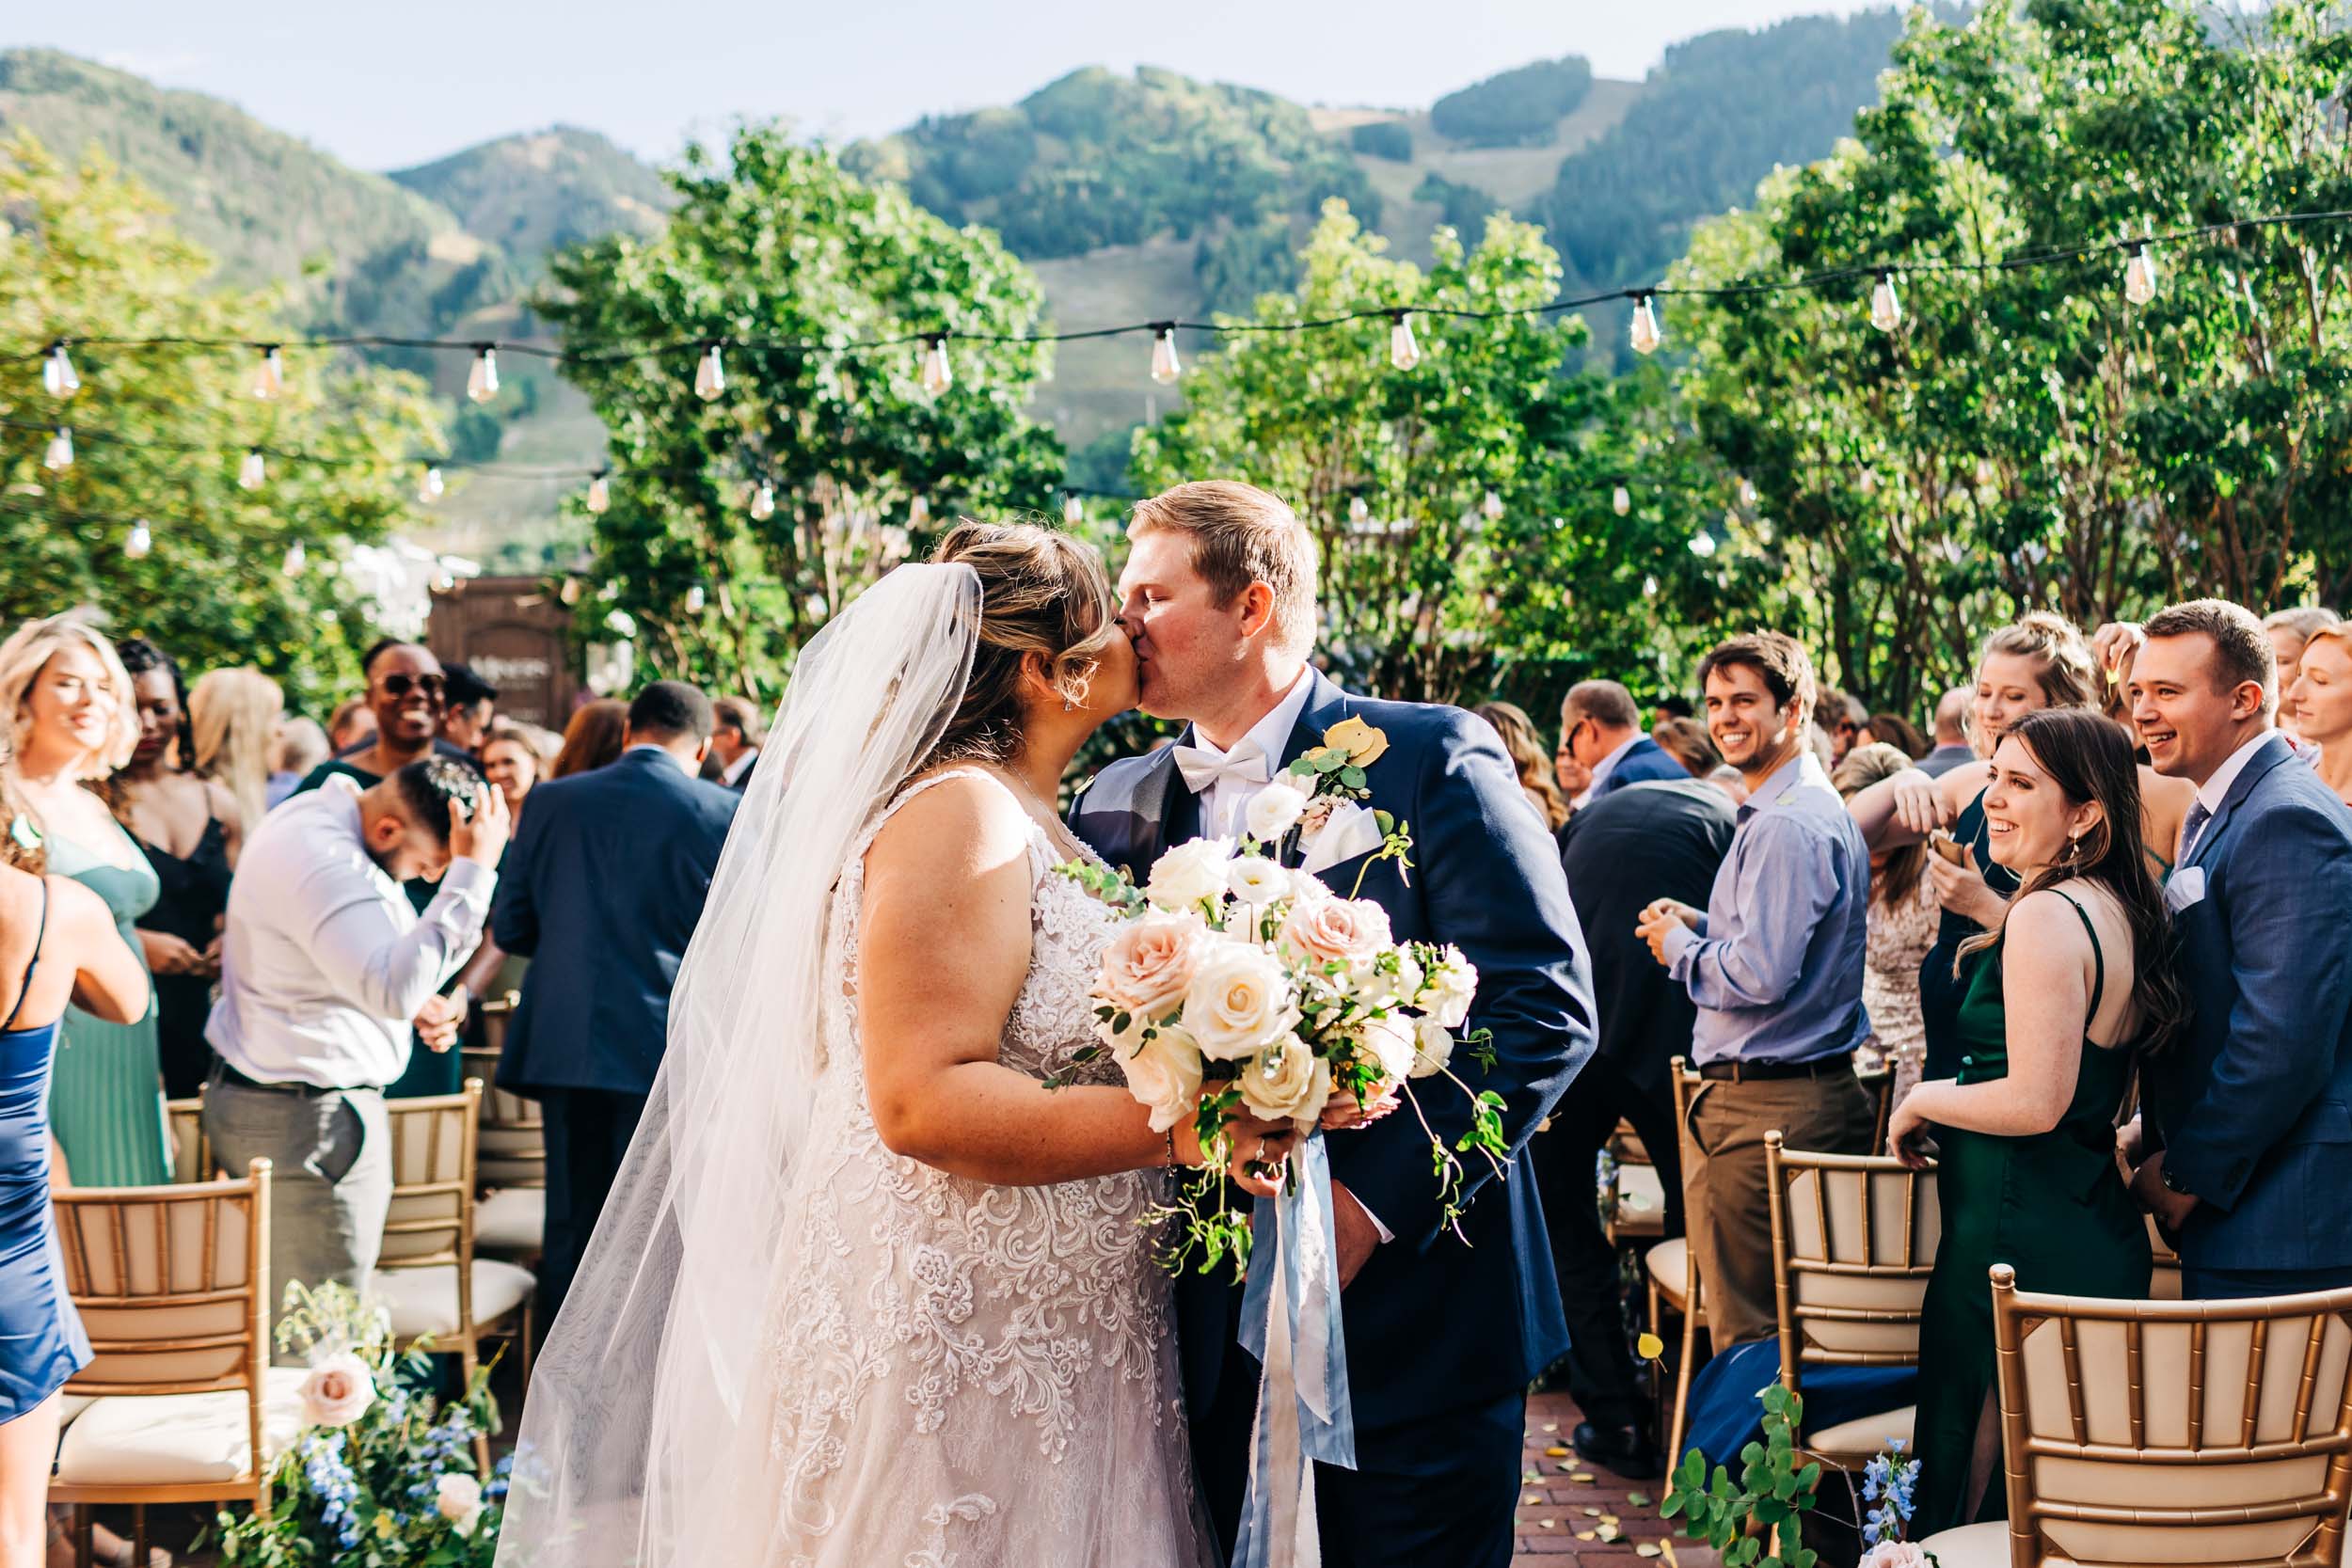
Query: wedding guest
x,y
2290,631
300,746
59,945
1634,843
1685,740
351,726
1846,719
2247,1119
189,829
607,883
513,769
593,738
736,742
2056,1023
1893,729
468,704
1951,733
1902,927
406,687
1729,780
1510,722
76,722
1672,705
1775,965
510,764
233,715
326,969
1603,729
2323,704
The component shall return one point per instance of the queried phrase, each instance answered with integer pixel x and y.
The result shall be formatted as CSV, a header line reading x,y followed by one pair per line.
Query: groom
x,y
1443,1332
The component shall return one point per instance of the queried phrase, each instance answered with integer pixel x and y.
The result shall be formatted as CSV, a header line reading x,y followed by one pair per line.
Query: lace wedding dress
x,y
964,1375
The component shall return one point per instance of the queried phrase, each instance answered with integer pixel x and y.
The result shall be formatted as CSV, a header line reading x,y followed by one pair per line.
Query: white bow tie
x,y
1245,764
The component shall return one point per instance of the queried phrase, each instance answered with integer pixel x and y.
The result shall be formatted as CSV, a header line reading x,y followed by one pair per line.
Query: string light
x,y
1621,500
711,376
59,455
918,512
696,599
252,473
1074,510
1359,510
1886,311
56,371
569,590
269,373
296,558
140,540
1166,368
599,494
1645,334
1403,351
763,502
482,382
1747,494
938,375
429,488
1491,508
2139,275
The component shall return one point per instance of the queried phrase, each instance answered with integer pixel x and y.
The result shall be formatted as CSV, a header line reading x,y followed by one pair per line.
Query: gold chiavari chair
x,y
511,1155
191,1151
1673,1270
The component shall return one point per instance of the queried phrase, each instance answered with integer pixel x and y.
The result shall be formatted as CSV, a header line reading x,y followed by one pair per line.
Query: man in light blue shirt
x,y
1774,966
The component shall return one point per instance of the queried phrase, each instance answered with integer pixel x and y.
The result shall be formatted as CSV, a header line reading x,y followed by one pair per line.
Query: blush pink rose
x,y
1150,963
1335,930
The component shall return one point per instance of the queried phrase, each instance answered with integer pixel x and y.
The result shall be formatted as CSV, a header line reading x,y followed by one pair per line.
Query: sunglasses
x,y
399,685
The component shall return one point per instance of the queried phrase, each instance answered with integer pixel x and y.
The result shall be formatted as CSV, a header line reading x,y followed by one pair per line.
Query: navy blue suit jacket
x,y
1645,762
602,889
2254,1104
1433,1325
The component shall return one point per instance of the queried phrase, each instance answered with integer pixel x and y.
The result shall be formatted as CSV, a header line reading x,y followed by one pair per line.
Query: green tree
x,y
89,256
774,242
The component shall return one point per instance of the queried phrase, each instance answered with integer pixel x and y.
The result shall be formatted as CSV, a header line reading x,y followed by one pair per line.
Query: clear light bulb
x,y
918,512
482,382
56,373
1645,334
1403,349
938,374
1359,510
1166,367
1650,587
1074,510
269,373
695,599
599,494
1746,492
1621,500
1886,311
569,593
1702,544
710,376
1491,508
253,472
60,452
2139,277
429,488
763,502
1868,483
140,540
296,559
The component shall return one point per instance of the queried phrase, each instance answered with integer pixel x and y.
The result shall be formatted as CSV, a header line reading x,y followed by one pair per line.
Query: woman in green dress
x,y
2056,1002
75,723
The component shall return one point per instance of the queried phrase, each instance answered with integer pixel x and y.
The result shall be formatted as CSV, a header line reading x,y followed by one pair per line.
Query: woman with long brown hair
x,y
593,738
1901,929
2057,1001
1510,720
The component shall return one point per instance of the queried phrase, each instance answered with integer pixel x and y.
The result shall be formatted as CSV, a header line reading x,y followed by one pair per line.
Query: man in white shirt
x,y
325,968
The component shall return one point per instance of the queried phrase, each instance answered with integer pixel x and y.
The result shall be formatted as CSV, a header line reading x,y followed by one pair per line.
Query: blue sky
x,y
383,86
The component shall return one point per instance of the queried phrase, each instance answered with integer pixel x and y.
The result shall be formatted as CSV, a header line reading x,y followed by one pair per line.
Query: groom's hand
x,y
1357,1236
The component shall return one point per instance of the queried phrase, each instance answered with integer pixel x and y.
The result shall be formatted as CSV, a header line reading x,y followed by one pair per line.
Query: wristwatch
x,y
2171,1181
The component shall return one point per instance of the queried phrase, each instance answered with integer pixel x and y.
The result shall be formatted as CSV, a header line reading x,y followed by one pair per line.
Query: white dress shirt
x,y
1223,808
324,961
741,765
2216,789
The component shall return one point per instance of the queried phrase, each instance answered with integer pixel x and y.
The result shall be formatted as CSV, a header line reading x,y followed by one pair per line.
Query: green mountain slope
x,y
544,190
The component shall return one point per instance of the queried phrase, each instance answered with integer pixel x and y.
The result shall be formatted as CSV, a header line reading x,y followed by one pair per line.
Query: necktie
x,y
2198,817
1246,765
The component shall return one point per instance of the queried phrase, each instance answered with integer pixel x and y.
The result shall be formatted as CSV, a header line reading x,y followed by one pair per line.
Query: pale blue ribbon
x,y
1290,1321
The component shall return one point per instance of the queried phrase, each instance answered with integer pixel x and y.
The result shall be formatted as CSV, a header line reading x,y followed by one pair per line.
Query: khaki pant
x,y
1725,1209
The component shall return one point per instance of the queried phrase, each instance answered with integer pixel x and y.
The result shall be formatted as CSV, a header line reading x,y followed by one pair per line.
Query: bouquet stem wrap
x,y
1290,1321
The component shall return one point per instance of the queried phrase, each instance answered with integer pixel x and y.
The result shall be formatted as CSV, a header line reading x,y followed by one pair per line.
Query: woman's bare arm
x,y
109,981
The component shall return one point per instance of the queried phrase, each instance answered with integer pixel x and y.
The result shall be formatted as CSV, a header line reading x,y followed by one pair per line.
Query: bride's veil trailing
x,y
644,1435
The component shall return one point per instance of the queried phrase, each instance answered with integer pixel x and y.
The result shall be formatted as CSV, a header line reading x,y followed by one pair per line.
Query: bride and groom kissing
x,y
871,1288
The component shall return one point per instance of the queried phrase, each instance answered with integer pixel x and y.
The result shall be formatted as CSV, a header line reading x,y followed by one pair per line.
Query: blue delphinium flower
x,y
324,1467
1900,1486
1875,1476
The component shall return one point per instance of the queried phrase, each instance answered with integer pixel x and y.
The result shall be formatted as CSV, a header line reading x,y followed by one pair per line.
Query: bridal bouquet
x,y
1243,984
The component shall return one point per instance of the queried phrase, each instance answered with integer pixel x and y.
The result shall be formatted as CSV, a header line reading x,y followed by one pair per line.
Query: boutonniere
x,y
1315,807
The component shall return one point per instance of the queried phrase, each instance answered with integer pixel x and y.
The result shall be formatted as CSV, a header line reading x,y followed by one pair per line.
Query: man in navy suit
x,y
602,890
1443,1332
2250,1118
1601,729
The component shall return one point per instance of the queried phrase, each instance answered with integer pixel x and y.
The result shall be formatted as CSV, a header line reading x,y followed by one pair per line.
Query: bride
x,y
869,1292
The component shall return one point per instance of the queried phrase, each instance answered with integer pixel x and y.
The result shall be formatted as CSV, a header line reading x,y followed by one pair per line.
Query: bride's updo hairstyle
x,y
1041,592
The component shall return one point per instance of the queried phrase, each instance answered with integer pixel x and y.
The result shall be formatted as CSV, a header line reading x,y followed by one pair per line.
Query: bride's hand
x,y
1344,1110
1258,1149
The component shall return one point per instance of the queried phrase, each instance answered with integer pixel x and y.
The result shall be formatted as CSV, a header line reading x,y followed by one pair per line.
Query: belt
x,y
1760,1072
224,1073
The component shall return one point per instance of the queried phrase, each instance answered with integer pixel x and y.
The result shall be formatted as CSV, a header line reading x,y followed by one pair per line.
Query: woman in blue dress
x,y
59,946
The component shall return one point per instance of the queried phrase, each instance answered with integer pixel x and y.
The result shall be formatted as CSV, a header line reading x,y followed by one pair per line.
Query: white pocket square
x,y
1352,830
2185,887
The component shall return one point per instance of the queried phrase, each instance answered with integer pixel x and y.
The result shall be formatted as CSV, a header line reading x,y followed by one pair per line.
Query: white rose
x,y
1273,811
337,1392
1454,986
1257,881
1190,875
457,1498
1379,986
1239,1001
1163,1074
1287,1081
1390,1039
1433,1048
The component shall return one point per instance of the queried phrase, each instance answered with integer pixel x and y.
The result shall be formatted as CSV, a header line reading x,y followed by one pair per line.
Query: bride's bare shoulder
x,y
949,819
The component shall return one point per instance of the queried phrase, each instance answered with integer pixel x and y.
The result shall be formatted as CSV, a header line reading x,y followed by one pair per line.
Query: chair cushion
x,y
1669,1264
70,1405
511,1222
1868,1435
177,1439
424,1301
1985,1545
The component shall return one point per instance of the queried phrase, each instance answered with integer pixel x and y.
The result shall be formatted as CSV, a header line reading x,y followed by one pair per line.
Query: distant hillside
x,y
545,190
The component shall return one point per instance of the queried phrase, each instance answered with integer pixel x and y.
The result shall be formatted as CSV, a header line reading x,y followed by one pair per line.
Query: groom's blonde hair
x,y
1240,535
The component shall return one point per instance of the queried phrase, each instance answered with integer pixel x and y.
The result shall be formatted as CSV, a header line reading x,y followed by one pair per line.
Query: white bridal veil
x,y
644,1435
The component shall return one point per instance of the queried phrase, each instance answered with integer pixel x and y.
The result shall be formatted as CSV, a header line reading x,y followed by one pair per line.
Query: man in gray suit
x,y
1952,734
